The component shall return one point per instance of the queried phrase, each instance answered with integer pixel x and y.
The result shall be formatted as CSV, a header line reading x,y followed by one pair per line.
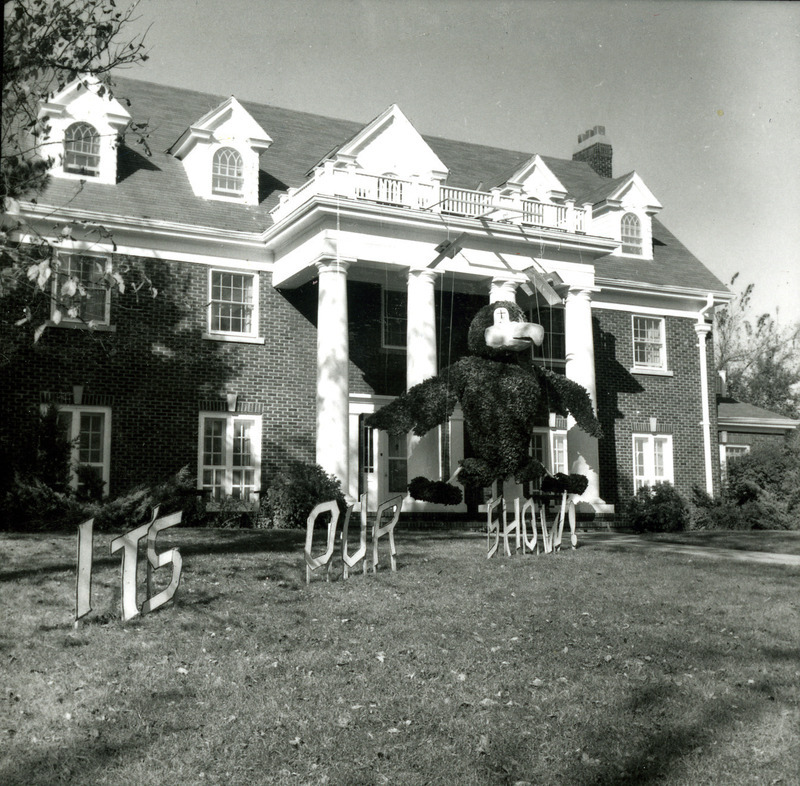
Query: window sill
x,y
82,326
653,372
233,338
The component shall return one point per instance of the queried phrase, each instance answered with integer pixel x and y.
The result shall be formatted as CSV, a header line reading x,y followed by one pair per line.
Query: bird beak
x,y
516,336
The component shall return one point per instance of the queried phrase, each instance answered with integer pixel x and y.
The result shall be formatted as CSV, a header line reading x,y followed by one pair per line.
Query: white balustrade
x,y
394,191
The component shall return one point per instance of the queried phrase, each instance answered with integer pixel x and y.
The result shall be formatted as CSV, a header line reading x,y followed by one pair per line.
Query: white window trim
x,y
75,433
384,345
649,474
78,322
221,335
635,254
663,369
551,436
256,439
225,194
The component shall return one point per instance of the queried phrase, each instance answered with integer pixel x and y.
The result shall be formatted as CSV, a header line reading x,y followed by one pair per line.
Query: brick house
x,y
309,269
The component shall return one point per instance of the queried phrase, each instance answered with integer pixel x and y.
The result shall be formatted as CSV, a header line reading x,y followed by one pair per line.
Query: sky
x,y
700,97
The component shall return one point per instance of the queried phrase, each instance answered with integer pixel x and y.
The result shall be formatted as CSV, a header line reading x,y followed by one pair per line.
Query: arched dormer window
x,y
82,150
227,173
631,234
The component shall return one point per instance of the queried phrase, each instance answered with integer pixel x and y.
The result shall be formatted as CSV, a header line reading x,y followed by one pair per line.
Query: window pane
x,y
90,442
214,442
242,448
394,318
648,343
82,150
559,453
87,272
231,302
631,234
639,447
227,172
538,448
658,459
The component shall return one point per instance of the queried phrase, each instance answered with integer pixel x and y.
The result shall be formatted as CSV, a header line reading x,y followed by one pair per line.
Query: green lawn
x,y
592,666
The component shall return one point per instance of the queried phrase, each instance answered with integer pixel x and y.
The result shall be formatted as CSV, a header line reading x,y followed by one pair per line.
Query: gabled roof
x,y
204,128
391,122
157,187
78,90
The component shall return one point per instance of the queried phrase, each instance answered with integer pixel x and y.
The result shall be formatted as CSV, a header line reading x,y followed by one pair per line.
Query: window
x,y
554,347
89,431
394,319
652,460
232,303
550,447
79,292
230,456
397,464
559,452
649,346
729,452
631,235
82,150
227,173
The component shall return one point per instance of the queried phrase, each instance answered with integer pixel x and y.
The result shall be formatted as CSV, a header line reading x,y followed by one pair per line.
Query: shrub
x,y
294,492
709,512
658,509
437,491
136,506
31,505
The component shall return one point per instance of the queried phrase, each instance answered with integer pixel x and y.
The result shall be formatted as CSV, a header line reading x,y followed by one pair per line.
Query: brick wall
x,y
624,398
157,369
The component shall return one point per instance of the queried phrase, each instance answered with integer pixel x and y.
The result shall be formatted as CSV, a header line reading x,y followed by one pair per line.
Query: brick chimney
x,y
594,147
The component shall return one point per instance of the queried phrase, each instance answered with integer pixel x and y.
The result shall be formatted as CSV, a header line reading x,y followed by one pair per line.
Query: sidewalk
x,y
614,541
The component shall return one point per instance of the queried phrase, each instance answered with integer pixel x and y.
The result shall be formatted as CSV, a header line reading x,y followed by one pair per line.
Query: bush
x,y
136,506
294,492
437,491
31,505
658,509
762,492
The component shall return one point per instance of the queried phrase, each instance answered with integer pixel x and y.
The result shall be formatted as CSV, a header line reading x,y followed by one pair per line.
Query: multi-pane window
x,y
82,150
395,319
227,173
232,303
230,456
649,350
559,452
89,431
652,460
79,292
631,234
553,347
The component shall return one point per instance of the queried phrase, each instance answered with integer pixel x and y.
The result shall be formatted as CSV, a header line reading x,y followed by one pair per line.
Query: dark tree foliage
x,y
502,397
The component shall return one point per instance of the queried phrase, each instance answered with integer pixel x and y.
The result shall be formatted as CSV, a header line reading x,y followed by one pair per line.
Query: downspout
x,y
703,328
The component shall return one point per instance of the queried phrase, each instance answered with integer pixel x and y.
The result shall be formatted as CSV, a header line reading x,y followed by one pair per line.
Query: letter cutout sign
x,y
324,560
129,545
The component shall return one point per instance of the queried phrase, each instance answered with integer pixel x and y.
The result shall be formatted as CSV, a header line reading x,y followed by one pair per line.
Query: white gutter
x,y
703,328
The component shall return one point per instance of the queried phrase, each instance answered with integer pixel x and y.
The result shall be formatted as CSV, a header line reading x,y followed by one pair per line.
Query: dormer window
x,y
631,234
227,172
82,150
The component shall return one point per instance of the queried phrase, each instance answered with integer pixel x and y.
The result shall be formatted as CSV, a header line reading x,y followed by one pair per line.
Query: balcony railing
x,y
398,192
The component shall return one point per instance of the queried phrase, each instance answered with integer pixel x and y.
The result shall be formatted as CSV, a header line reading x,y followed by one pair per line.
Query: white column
x,y
333,389
703,328
503,289
423,452
582,448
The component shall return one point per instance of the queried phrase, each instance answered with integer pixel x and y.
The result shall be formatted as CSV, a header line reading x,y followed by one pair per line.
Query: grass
x,y
586,667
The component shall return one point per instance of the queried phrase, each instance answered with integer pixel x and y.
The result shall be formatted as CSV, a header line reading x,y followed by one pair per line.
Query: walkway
x,y
614,541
